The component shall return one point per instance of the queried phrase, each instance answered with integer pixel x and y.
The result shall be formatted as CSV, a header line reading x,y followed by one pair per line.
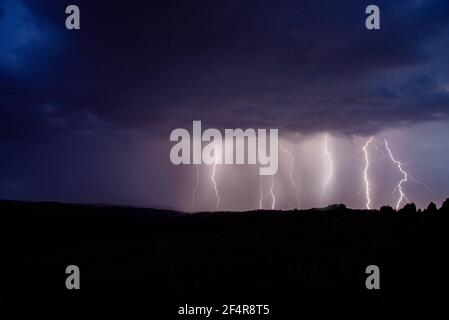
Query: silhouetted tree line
x,y
410,208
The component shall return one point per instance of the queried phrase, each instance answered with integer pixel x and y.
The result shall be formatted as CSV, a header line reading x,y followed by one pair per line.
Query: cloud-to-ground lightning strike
x,y
292,168
213,177
273,197
197,181
404,179
330,166
365,172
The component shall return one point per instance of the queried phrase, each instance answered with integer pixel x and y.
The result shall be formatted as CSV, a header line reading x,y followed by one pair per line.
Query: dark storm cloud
x,y
299,65
85,115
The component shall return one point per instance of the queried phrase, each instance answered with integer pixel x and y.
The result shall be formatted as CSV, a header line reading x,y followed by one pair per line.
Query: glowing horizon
x,y
285,180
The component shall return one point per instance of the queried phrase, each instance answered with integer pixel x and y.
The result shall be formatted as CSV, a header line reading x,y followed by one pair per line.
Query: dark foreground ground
x,y
260,256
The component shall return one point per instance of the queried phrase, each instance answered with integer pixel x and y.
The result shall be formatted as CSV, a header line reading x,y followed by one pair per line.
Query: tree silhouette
x,y
431,208
445,206
409,208
386,210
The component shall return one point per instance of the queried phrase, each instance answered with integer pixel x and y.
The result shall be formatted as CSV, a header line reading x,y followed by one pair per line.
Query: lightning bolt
x,y
415,180
213,177
273,197
404,179
379,149
292,163
196,184
365,172
419,182
330,166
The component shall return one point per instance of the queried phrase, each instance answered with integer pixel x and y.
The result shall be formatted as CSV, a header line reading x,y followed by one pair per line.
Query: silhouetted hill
x,y
224,256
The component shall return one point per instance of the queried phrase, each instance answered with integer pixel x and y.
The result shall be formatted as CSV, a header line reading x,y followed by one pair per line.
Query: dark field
x,y
260,256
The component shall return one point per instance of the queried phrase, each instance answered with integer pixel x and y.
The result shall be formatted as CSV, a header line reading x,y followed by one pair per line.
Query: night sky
x,y
85,116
